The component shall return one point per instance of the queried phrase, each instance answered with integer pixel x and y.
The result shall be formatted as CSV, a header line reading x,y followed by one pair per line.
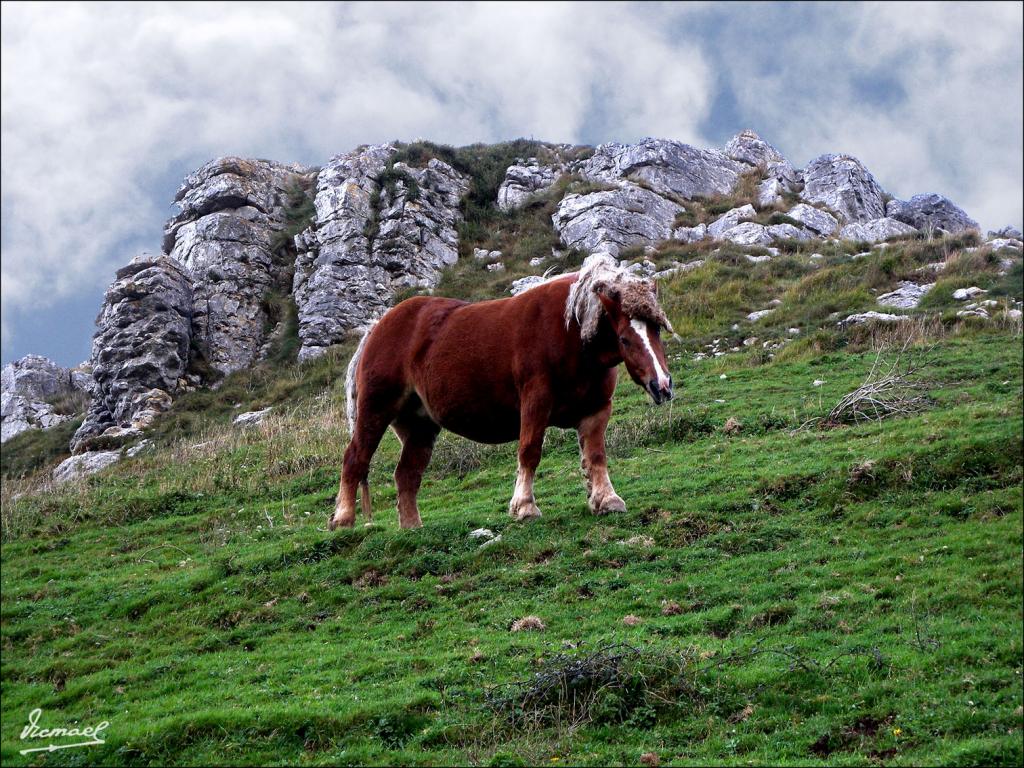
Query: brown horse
x,y
495,371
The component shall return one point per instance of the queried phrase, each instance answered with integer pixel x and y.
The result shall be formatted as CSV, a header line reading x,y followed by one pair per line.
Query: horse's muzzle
x,y
658,393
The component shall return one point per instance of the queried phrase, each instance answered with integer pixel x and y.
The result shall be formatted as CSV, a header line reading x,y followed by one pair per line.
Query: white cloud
x,y
929,96
106,106
100,101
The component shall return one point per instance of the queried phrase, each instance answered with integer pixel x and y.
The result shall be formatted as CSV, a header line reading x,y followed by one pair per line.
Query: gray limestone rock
x,y
525,179
876,230
666,167
907,296
747,147
614,219
141,349
232,210
930,212
84,464
370,239
729,219
842,183
814,219
30,389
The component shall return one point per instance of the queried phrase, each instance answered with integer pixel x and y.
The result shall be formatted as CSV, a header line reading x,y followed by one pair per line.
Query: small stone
x,y
753,317
528,624
481,533
732,426
498,267
963,294
251,418
817,382
644,542
525,284
631,620
872,316
670,608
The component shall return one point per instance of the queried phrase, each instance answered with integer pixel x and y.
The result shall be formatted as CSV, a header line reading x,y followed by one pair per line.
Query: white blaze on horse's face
x,y
645,359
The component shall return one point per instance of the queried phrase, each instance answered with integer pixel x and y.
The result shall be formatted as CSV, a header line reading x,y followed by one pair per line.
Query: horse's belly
x,y
484,424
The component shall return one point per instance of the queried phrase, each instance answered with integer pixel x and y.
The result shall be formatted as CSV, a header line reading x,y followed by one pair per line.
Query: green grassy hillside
x,y
782,591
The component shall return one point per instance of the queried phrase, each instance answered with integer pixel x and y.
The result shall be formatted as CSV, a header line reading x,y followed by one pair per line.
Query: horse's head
x,y
632,308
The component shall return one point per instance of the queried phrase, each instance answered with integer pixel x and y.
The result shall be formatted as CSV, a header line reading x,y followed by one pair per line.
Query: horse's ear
x,y
606,291
610,299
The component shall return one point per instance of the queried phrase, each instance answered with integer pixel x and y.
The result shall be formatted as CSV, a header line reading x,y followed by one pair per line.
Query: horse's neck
x,y
603,349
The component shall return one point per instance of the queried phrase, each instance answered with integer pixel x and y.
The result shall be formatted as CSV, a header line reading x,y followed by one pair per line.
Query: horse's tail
x,y
351,400
351,390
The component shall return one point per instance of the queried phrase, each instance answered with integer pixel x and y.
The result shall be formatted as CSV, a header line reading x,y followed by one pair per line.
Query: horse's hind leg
x,y
371,424
417,435
533,422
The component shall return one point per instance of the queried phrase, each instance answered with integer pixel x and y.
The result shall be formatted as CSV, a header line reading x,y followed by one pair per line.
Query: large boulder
x,y
527,178
876,230
666,167
842,183
141,349
30,391
730,219
907,296
747,147
227,183
231,211
930,212
814,219
611,220
84,464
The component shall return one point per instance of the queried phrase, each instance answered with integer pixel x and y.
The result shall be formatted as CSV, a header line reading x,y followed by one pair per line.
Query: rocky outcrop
x,y
30,393
1008,233
929,213
842,183
337,287
377,229
876,230
231,209
418,224
779,177
525,179
614,219
665,167
140,352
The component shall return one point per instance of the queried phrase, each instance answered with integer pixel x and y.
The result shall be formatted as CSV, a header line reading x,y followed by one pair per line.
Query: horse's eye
x,y
624,341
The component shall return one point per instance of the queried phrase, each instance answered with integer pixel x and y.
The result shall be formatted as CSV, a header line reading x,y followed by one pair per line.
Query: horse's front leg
x,y
533,420
602,497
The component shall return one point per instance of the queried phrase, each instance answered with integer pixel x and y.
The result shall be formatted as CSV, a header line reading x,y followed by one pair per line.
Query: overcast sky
x,y
106,107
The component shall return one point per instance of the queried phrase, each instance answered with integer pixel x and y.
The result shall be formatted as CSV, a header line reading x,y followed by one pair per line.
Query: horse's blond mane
x,y
601,271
